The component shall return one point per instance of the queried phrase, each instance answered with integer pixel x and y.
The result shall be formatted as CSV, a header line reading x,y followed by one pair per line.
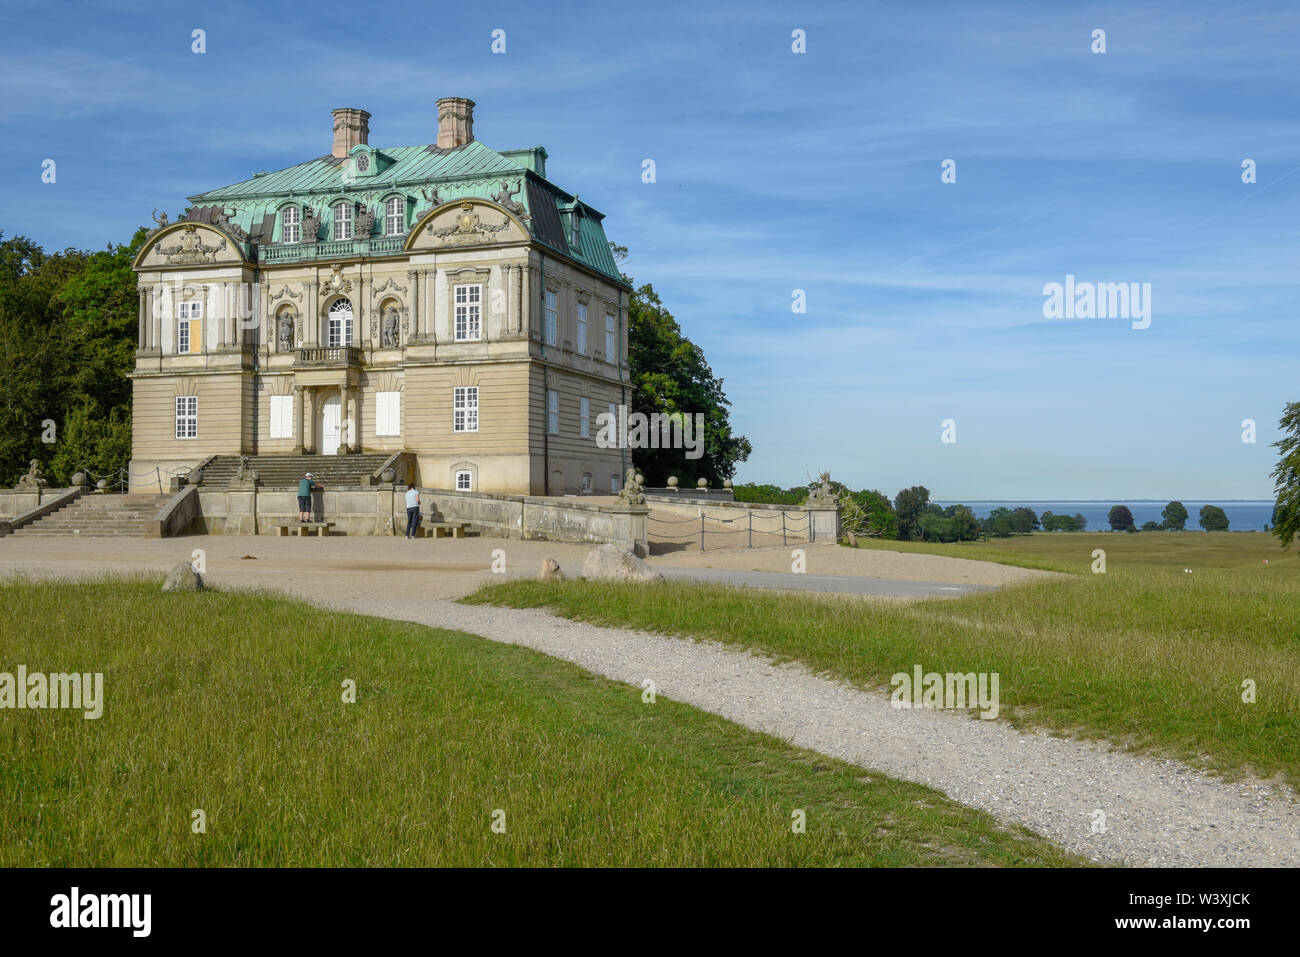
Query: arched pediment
x,y
187,244
466,222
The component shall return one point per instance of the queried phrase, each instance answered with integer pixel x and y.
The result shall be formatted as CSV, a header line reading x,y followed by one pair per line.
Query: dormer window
x,y
342,221
291,225
395,216
573,218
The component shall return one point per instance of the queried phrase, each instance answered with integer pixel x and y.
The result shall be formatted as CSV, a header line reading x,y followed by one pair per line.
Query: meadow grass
x,y
1145,655
1072,551
232,703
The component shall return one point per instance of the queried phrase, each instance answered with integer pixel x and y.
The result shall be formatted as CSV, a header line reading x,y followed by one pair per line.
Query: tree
x,y
1175,516
1213,518
770,494
1286,477
1120,518
908,505
670,375
881,520
1152,527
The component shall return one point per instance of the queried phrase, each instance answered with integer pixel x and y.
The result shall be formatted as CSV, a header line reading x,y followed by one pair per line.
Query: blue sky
x,y
779,171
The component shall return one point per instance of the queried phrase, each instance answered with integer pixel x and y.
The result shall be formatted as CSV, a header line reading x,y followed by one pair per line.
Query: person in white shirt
x,y
412,510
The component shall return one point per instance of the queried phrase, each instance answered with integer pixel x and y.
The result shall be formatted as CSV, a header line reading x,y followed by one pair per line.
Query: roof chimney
x,y
351,127
455,122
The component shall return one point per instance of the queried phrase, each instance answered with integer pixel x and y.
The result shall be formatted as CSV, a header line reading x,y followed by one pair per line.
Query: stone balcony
x,y
343,249
326,357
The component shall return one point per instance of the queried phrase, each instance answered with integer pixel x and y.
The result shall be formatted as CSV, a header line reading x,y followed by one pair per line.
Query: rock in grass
x,y
611,563
550,571
853,540
183,577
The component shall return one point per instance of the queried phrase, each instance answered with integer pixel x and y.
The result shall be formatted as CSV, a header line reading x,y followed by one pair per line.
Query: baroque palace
x,y
445,300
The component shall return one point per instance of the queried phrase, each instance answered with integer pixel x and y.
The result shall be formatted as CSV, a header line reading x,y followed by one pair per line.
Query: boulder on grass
x,y
853,540
183,577
611,563
550,571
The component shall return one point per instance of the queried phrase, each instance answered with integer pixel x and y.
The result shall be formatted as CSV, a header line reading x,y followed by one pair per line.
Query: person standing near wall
x,y
412,510
305,487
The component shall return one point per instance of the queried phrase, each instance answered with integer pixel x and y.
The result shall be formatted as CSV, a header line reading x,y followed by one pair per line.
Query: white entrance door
x,y
329,426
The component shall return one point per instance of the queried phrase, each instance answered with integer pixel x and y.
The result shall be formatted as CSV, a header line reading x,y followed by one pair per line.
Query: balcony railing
x,y
295,252
329,356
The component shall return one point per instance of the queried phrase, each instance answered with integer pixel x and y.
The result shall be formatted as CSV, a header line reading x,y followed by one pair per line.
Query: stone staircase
x,y
284,471
100,515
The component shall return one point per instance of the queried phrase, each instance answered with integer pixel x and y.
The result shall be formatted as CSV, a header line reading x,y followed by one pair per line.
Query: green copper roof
x,y
418,173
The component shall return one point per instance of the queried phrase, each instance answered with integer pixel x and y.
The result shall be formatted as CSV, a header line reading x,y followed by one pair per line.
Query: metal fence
x,y
740,530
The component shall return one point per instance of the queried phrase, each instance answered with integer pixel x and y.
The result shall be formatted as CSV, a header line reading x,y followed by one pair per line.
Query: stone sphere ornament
x,y
702,483
387,476
79,479
672,481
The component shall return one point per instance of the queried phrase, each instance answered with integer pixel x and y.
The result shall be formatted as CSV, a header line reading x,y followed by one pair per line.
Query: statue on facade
x,y
160,219
505,198
365,222
34,480
286,332
310,224
630,493
391,321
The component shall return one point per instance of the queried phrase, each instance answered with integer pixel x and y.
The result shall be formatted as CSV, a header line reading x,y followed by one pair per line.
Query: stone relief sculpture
x,y
467,227
191,250
336,283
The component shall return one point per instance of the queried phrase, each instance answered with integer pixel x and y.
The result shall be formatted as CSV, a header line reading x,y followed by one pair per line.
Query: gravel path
x,y
1157,812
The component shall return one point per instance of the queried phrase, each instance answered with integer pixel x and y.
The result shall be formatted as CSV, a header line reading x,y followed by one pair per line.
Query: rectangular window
x,y
291,225
343,221
469,312
281,416
584,417
465,408
187,417
586,483
464,481
582,329
611,340
553,412
551,318
189,327
395,216
388,413
613,485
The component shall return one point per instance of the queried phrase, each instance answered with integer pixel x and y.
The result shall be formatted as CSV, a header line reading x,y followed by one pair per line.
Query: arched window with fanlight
x,y
340,324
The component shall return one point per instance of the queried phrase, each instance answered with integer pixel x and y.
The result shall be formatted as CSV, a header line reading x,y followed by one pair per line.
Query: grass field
x,y
1072,551
232,703
1145,655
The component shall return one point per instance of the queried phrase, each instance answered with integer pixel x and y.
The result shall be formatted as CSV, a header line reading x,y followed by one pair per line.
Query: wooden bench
x,y
321,528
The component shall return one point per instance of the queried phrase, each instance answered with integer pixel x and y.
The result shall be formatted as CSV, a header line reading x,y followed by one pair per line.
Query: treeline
x,y
1174,519
68,328
911,516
